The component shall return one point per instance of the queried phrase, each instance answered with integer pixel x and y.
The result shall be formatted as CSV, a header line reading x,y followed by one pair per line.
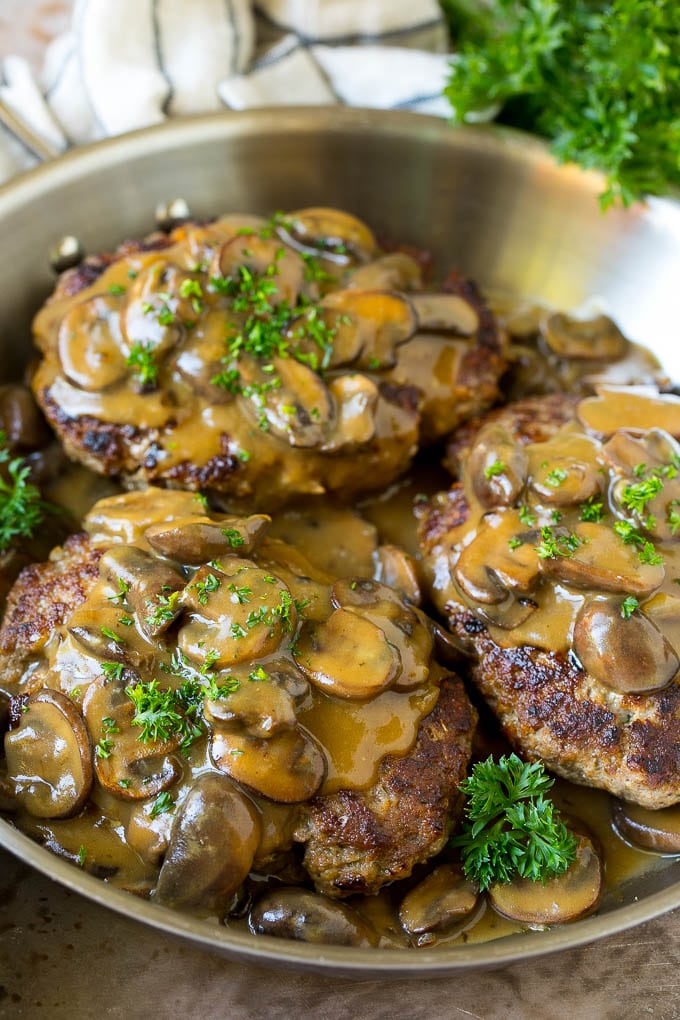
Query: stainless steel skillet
x,y
490,202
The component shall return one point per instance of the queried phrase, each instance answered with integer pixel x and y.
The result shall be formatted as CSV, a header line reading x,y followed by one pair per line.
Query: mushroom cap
x,y
213,843
557,900
49,757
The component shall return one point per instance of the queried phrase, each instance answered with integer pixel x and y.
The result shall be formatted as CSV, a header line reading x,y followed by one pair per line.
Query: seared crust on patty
x,y
550,709
42,598
362,840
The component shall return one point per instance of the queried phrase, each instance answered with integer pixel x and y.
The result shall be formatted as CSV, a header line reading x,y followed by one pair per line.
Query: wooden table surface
x,y
63,957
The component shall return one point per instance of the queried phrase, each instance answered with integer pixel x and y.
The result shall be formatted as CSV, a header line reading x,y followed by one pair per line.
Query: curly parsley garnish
x,y
22,508
600,79
511,828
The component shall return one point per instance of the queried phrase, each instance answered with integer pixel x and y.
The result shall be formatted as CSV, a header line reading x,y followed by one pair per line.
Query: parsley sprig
x,y
22,508
511,828
600,78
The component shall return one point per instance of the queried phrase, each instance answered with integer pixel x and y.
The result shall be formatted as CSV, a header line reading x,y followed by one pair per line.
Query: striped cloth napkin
x,y
132,63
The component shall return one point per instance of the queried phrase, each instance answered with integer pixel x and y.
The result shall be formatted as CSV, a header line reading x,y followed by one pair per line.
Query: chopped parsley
x,y
497,468
123,589
206,588
527,516
628,606
112,636
514,543
161,805
164,611
233,537
554,545
635,497
592,510
646,551
141,359
112,670
241,595
556,476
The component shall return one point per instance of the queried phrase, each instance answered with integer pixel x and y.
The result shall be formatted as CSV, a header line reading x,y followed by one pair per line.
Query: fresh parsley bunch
x,y
600,78
511,828
21,506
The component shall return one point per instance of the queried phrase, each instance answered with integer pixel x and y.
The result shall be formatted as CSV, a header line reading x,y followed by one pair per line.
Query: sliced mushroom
x,y
288,768
602,560
633,408
403,627
197,540
356,401
369,325
558,900
239,613
90,345
260,707
498,467
335,233
443,899
493,564
658,831
212,847
282,267
348,655
630,655
597,339
292,913
292,402
447,312
20,419
626,450
158,305
145,584
49,757
397,569
394,271
564,481
127,766
148,832
126,517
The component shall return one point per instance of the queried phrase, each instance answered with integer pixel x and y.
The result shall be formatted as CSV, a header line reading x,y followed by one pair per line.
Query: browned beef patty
x,y
362,840
237,359
520,578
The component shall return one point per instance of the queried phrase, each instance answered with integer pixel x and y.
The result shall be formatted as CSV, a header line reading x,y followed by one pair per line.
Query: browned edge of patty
x,y
363,839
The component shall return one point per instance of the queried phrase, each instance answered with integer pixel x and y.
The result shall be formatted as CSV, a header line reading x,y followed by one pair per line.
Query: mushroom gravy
x,y
166,300
123,845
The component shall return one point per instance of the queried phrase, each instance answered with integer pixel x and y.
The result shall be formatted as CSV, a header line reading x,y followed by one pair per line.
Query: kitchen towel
x,y
126,64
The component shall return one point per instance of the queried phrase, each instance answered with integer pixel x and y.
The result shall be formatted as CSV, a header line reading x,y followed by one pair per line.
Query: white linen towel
x,y
130,63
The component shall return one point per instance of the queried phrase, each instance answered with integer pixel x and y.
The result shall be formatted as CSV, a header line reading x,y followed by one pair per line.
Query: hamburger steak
x,y
261,360
170,654
556,562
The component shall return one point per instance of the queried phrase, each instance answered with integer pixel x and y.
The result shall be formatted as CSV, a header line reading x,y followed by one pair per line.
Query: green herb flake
x,y
117,289
628,606
162,805
497,468
233,537
556,477
592,510
141,359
